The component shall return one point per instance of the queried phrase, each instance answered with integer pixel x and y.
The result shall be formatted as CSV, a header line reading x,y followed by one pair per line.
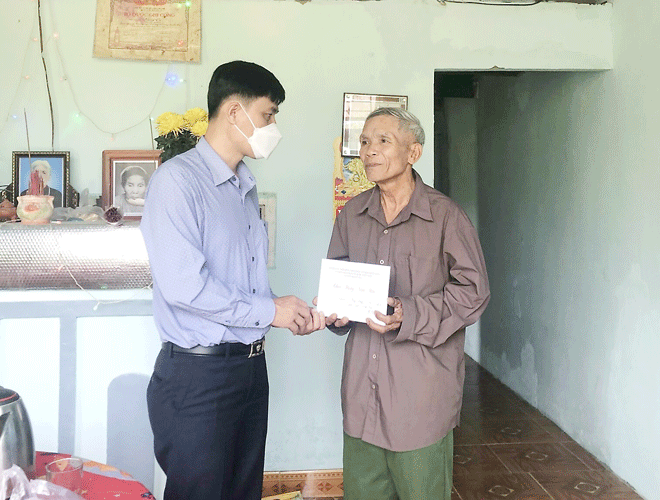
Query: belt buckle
x,y
256,348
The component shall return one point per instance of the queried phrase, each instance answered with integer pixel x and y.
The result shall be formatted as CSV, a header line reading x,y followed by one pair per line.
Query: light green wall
x,y
319,50
568,192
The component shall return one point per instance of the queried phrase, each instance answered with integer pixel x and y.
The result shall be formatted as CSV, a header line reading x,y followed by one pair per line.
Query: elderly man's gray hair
x,y
407,121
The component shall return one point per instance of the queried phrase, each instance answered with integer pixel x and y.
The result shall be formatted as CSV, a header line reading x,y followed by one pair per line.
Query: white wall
x,y
319,50
29,365
569,205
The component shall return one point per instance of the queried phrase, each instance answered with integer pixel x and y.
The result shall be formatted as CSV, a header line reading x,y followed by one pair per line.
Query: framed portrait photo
x,y
53,167
356,109
126,174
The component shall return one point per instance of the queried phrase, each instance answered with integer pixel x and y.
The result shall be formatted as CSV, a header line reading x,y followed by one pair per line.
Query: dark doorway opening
x,y
447,85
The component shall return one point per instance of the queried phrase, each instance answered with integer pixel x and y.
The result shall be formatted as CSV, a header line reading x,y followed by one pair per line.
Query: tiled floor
x,y
504,450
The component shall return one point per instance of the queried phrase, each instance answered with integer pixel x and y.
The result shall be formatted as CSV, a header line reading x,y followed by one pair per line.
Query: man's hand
x,y
336,322
294,313
317,323
332,319
392,322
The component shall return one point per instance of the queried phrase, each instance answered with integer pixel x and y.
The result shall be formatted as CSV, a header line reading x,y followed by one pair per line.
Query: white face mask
x,y
263,140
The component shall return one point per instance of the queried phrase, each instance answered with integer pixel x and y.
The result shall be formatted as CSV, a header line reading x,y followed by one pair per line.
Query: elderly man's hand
x,y
392,322
332,320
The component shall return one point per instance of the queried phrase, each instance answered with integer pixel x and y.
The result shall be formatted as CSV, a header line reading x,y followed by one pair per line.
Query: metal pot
x,y
16,441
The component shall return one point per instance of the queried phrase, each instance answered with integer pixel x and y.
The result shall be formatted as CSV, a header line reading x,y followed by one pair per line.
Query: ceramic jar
x,y
33,209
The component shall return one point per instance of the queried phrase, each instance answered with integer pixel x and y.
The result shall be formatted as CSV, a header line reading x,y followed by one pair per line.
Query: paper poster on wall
x,y
157,30
349,178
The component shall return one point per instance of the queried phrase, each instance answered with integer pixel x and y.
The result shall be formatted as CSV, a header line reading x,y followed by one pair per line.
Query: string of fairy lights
x,y
29,76
171,79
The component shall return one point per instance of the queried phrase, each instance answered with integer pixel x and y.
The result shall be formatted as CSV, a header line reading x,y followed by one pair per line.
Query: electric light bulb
x,y
171,79
56,35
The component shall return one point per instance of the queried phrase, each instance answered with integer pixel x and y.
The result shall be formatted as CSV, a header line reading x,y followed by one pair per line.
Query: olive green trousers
x,y
373,473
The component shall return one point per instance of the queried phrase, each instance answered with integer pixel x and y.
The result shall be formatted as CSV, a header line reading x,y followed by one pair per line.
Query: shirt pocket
x,y
401,277
422,275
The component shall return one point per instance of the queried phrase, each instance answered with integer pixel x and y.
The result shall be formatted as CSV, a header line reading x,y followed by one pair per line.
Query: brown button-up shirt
x,y
403,390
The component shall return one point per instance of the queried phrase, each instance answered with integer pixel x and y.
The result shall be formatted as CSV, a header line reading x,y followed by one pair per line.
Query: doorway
x,y
455,155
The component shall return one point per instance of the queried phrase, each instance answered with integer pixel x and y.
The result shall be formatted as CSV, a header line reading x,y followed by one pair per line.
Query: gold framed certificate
x,y
154,30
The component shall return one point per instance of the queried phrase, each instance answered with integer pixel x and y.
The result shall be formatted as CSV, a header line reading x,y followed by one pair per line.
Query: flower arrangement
x,y
179,133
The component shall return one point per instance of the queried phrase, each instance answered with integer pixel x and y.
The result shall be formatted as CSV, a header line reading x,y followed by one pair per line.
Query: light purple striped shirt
x,y
208,251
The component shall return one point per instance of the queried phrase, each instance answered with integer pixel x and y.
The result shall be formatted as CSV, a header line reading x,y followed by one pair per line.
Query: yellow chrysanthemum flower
x,y
169,122
199,128
195,115
178,133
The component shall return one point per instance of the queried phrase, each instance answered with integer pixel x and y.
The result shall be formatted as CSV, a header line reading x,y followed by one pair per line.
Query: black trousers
x,y
209,416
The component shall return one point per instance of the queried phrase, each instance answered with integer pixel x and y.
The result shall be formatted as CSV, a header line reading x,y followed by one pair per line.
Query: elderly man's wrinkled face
x,y
384,149
44,173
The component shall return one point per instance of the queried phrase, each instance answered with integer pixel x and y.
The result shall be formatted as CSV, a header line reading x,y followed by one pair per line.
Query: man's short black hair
x,y
243,79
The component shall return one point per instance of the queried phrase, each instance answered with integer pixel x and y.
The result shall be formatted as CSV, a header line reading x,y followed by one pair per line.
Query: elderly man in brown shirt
x,y
402,381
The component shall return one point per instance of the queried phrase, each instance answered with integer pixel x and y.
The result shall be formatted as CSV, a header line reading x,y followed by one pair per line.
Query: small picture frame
x,y
54,169
356,109
267,213
126,174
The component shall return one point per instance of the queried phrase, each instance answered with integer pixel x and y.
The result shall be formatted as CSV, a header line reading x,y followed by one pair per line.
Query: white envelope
x,y
353,289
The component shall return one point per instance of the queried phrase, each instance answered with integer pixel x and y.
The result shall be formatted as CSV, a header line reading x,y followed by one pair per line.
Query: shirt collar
x,y
418,205
220,170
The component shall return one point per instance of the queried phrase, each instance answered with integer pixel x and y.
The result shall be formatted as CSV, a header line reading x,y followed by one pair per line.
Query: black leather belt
x,y
225,349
